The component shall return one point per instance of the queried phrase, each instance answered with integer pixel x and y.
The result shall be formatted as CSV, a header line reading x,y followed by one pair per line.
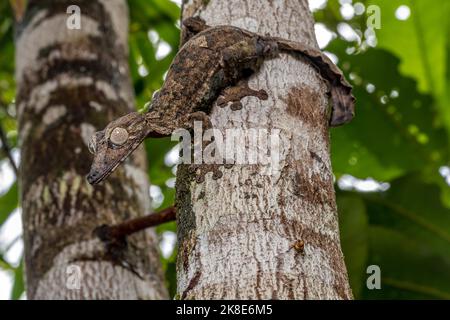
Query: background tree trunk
x,y
236,234
70,84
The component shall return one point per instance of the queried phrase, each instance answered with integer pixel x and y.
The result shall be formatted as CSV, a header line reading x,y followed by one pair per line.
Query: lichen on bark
x,y
70,83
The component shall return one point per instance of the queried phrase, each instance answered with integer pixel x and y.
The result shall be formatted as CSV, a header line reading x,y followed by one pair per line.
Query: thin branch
x,y
12,243
18,7
7,150
120,231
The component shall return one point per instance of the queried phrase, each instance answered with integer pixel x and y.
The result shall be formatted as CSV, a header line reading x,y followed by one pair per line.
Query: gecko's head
x,y
114,144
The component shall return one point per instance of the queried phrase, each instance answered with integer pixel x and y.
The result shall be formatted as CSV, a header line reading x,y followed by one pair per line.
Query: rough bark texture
x,y
255,236
70,84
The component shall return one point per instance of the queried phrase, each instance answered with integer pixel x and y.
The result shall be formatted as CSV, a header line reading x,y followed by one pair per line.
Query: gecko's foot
x,y
198,171
236,93
187,121
191,27
200,116
195,24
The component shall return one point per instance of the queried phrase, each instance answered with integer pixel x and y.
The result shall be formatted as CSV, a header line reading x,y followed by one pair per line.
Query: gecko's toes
x,y
263,94
217,174
237,105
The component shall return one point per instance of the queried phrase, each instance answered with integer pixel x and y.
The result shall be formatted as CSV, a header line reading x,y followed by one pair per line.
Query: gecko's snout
x,y
92,177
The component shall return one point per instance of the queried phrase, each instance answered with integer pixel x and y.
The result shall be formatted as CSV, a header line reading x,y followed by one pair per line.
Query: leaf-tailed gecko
x,y
210,66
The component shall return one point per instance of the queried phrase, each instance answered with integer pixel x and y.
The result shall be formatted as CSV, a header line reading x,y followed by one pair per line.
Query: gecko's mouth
x,y
95,177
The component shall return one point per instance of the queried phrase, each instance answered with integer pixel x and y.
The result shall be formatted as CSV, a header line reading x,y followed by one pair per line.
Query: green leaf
x,y
8,202
408,236
5,265
353,224
169,33
413,208
395,129
146,50
409,239
421,42
156,152
171,278
409,270
168,8
19,285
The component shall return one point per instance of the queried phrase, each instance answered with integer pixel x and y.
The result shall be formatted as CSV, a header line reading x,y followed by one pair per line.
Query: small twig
x,y
18,7
121,230
7,150
11,244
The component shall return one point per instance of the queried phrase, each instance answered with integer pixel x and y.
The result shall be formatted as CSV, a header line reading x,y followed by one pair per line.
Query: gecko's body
x,y
209,64
205,65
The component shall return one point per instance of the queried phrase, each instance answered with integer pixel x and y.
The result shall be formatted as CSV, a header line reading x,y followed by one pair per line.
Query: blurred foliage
x,y
400,136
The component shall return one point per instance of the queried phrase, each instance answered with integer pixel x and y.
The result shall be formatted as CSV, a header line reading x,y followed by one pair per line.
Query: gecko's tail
x,y
340,90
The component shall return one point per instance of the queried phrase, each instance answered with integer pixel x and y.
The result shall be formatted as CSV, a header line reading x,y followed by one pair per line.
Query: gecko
x,y
212,65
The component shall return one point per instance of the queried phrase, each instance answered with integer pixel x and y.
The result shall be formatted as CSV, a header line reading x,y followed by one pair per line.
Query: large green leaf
x,y
409,239
409,269
395,129
414,208
421,42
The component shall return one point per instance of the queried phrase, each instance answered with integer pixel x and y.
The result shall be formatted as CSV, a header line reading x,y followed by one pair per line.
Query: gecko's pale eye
x,y
92,146
119,136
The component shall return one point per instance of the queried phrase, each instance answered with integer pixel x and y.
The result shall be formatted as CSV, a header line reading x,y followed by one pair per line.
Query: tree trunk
x,y
257,236
72,82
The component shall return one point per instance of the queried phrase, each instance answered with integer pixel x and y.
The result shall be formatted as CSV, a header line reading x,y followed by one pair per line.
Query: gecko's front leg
x,y
236,93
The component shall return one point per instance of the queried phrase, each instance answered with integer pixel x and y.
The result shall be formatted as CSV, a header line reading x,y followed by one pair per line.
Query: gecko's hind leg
x,y
200,170
236,93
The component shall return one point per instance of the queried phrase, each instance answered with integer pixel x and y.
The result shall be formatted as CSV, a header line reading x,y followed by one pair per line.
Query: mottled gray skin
x,y
213,60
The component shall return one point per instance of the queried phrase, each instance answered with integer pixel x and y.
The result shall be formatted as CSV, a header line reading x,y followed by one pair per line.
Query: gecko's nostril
x,y
91,177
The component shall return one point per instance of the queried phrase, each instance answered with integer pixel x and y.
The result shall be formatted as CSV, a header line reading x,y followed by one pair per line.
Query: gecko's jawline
x,y
96,176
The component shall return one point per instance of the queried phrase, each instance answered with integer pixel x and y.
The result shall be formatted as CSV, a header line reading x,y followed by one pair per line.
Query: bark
x,y
250,235
70,84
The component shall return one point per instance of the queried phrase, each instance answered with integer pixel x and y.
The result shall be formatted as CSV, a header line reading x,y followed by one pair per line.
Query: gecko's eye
x,y
92,146
119,136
